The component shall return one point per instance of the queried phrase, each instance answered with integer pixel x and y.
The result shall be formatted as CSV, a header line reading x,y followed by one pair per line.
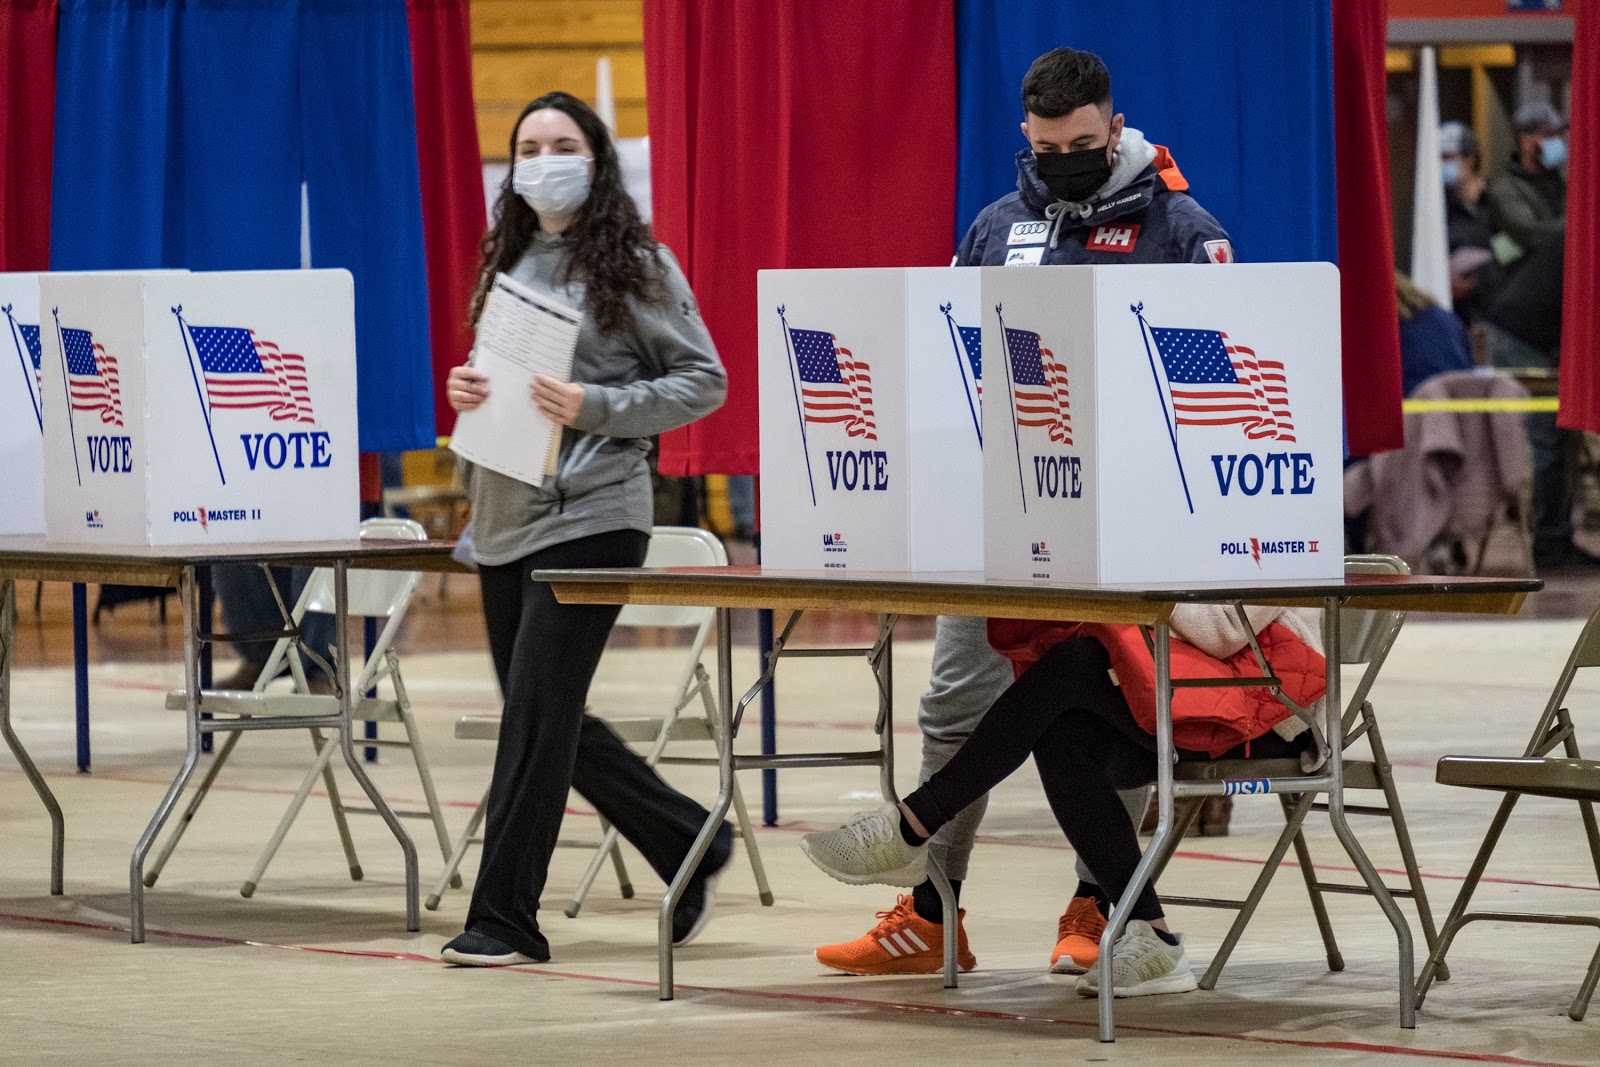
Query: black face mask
x,y
1074,176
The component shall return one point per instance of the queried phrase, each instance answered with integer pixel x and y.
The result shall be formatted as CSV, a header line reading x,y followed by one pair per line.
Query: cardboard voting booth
x,y
1163,423
21,416
181,408
871,431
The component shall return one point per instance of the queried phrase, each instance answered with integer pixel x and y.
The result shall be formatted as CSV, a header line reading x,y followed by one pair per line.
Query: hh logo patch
x,y
1114,238
1028,233
1219,251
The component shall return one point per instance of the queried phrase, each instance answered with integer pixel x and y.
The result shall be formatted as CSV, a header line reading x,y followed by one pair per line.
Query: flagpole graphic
x,y
1011,386
788,344
22,357
205,409
1161,398
962,370
66,387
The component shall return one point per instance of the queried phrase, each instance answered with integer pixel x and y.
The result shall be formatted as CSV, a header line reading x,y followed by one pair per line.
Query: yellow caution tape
x,y
1535,403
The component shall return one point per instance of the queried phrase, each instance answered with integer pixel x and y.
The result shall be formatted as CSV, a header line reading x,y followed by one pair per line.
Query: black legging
x,y
1066,711
545,655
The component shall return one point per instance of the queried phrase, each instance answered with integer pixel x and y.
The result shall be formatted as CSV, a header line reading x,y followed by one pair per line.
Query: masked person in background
x,y
1528,203
644,364
1090,189
1475,274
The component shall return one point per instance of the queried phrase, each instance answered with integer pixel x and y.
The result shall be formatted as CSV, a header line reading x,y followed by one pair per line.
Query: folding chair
x,y
1365,638
1535,772
670,546
373,594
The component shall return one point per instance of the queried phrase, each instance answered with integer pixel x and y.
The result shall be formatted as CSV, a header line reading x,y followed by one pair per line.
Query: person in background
x,y
1475,275
1528,200
1090,190
248,606
1528,204
644,364
1432,340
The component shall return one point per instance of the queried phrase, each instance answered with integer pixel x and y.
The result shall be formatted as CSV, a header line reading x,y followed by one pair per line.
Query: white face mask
x,y
556,185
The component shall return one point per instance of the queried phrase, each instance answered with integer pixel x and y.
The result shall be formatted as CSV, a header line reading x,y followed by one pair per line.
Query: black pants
x,y
545,655
1066,712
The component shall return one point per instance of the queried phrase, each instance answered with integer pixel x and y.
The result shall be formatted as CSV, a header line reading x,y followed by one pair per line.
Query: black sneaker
x,y
700,895
473,949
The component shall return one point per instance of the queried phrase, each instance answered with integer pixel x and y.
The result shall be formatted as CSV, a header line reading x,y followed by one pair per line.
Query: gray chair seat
x,y
1541,776
267,704
1358,774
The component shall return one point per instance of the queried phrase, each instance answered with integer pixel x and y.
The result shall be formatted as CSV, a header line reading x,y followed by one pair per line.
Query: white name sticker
x,y
1024,257
1028,233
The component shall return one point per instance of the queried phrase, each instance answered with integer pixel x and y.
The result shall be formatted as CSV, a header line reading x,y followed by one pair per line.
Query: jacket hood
x,y
1139,172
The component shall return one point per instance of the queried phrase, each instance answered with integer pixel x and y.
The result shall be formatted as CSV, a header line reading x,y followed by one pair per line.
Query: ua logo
x,y
1114,238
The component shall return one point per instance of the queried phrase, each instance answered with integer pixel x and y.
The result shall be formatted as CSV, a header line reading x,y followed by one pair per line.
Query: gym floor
x,y
317,968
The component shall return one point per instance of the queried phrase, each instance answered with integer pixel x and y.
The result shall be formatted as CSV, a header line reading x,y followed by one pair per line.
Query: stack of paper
x,y
520,334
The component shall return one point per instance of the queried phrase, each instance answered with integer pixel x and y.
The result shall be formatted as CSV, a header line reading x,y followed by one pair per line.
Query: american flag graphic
x,y
834,385
1215,382
35,349
243,371
1039,384
92,380
972,342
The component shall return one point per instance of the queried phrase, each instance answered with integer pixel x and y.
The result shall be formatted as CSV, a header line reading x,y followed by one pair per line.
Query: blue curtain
x,y
184,129
1240,91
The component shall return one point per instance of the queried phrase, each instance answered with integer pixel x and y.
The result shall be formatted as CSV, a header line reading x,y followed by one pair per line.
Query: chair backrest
x,y
374,593
676,546
1363,633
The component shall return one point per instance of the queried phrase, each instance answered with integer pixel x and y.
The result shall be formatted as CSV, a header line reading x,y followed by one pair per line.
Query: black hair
x,y
1063,80
612,251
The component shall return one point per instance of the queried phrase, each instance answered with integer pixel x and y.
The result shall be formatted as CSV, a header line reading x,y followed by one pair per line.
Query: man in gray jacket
x,y
1090,190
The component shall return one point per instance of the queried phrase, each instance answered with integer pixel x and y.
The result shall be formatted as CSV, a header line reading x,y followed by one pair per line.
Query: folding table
x,y
33,559
960,593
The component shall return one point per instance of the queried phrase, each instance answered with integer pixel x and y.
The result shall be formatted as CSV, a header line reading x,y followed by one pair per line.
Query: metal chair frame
x,y
1555,728
374,594
693,684
1367,638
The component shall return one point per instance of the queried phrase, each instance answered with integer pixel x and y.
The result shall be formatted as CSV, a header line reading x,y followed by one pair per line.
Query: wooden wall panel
x,y
522,48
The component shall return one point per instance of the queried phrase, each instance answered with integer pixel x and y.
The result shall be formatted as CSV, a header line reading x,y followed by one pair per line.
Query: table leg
x,y
58,825
769,719
1341,824
719,809
192,625
347,704
1166,827
80,670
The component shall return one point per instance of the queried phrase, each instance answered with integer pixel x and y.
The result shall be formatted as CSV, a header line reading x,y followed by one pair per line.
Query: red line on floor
x,y
898,1007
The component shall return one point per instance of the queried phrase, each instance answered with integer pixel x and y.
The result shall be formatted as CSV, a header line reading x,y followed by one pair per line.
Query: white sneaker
x,y
868,850
1142,965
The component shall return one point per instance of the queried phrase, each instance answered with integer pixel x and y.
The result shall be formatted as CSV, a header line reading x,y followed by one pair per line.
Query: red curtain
x,y
1580,293
452,179
792,133
27,128
1370,316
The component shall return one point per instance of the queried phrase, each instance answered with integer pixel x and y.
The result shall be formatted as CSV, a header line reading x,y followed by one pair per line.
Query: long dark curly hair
x,y
612,251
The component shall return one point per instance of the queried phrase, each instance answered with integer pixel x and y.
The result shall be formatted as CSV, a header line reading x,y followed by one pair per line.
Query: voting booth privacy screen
x,y
871,426
183,408
21,416
1163,423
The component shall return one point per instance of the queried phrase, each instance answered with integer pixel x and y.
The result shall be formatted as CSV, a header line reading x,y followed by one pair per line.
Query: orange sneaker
x,y
903,942
1078,938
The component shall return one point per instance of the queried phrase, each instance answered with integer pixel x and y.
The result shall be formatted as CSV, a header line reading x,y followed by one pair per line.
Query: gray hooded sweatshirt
x,y
658,375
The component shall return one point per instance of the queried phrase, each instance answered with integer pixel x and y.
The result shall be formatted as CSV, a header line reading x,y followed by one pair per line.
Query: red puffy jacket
x,y
1203,720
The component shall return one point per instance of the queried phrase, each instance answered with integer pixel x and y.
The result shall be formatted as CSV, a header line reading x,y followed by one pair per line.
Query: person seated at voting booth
x,y
1090,190
644,364
1083,705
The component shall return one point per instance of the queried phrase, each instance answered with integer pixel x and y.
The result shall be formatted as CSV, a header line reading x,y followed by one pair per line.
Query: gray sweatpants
x,y
967,678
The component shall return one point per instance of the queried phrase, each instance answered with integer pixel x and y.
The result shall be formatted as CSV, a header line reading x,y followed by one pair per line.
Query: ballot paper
x,y
520,334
